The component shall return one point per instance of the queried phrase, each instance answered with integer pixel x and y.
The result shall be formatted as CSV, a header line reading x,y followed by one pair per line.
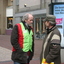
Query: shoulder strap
x,y
20,35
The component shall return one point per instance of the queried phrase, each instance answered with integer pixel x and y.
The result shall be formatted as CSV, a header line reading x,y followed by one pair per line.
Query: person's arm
x,y
32,53
33,41
14,38
33,45
54,48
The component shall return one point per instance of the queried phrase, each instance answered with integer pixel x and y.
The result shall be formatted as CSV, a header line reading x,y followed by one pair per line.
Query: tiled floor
x,y
5,50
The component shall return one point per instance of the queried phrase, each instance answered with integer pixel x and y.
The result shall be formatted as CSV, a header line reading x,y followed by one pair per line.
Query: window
x,y
9,22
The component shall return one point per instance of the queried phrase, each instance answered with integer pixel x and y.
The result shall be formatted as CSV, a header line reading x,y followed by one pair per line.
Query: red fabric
x,y
28,53
20,36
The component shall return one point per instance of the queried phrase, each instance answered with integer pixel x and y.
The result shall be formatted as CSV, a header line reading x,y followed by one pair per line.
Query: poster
x,y
58,11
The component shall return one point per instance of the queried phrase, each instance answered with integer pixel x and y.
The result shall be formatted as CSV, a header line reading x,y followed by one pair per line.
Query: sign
x,y
58,11
59,21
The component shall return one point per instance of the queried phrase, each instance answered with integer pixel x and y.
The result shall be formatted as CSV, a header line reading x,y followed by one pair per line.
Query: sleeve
x,y
14,38
32,53
33,41
54,48
33,44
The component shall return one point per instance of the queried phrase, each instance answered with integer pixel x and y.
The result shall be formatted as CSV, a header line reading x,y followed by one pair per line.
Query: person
x,y
22,41
50,53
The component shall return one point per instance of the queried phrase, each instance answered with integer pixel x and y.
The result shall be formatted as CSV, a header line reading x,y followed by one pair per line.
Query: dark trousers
x,y
23,63
20,63
28,54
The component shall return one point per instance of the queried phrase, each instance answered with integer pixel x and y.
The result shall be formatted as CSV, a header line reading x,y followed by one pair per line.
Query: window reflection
x,y
37,21
37,27
9,22
42,26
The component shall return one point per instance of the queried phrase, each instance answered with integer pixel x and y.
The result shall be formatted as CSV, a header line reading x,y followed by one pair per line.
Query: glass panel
x,y
9,22
37,20
37,27
42,28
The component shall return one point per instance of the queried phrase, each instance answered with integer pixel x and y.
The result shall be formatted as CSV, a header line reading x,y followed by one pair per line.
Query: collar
x,y
51,29
26,25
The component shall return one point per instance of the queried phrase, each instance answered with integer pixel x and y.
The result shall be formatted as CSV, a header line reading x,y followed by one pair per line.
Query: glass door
x,y
39,28
43,28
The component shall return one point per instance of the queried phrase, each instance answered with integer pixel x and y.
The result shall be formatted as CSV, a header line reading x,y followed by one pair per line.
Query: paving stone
x,y
5,54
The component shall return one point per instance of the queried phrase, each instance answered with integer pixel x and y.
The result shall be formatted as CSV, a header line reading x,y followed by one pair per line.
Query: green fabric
x,y
27,41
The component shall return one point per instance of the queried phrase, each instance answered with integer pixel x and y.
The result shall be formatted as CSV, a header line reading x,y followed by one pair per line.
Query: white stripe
x,y
45,44
55,36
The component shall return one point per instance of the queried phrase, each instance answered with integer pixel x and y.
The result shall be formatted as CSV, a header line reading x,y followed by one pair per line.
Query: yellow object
x,y
52,63
44,62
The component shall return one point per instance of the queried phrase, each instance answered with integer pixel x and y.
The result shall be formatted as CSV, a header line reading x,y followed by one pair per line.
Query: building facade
x,y
39,8
4,5
10,15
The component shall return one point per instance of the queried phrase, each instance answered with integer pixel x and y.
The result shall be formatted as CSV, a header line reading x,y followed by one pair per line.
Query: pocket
x,y
22,56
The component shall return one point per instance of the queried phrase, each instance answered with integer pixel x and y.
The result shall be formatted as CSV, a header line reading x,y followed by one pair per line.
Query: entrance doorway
x,y
39,27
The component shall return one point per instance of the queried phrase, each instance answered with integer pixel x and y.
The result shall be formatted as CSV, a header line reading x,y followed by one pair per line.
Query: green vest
x,y
27,41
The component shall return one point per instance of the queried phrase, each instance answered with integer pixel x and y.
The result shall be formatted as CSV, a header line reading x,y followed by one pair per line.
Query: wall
x,y
10,2
3,5
47,6
30,5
